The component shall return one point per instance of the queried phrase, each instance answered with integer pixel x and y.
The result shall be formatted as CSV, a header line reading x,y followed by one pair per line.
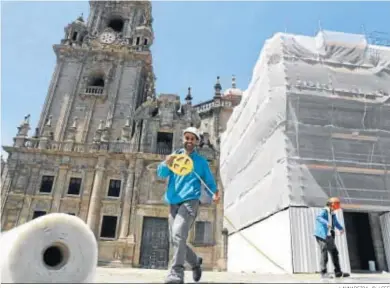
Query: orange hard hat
x,y
334,202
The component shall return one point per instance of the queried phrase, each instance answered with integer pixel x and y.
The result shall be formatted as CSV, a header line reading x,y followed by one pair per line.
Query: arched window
x,y
116,24
74,36
96,82
95,85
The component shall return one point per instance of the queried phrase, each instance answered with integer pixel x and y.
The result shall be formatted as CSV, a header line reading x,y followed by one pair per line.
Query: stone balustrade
x,y
203,107
110,147
94,90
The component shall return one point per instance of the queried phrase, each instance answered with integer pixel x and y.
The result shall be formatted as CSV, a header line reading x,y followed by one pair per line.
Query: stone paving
x,y
132,275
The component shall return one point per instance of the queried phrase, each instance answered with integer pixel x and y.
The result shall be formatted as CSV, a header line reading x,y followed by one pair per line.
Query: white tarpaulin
x,y
313,123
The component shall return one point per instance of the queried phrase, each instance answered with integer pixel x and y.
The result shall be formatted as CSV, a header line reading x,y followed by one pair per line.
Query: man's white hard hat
x,y
193,131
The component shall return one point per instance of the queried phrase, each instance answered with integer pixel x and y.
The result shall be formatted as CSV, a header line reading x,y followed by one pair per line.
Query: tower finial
x,y
26,120
233,81
217,88
81,18
189,96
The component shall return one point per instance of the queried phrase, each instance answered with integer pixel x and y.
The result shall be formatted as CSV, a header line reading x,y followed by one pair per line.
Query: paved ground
x,y
131,275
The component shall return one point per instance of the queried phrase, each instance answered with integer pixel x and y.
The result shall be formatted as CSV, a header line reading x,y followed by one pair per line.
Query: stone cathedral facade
x,y
101,134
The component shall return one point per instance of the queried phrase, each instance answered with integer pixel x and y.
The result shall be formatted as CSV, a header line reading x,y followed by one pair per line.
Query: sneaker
x,y
341,275
197,270
326,276
174,279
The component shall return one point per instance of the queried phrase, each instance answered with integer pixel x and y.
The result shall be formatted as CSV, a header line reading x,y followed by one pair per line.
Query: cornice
x,y
103,53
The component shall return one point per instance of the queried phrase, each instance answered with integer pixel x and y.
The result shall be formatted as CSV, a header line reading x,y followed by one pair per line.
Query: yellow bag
x,y
182,165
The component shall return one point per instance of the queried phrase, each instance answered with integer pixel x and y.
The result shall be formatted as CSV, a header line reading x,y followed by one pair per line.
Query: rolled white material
x,y
55,248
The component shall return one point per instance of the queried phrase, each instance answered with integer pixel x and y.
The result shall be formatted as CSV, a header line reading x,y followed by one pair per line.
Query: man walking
x,y
326,222
182,195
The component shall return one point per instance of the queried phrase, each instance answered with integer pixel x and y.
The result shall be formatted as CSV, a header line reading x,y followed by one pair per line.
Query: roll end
x,y
55,256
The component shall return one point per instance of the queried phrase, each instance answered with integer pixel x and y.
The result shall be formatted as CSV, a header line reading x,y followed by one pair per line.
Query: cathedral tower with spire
x,y
101,134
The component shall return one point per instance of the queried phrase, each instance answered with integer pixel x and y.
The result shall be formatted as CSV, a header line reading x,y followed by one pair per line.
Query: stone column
x,y
139,165
144,137
6,185
28,198
91,18
86,193
126,30
124,229
27,201
379,247
97,23
59,188
219,238
93,217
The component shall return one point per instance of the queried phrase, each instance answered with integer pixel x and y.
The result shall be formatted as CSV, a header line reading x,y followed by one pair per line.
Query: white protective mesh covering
x,y
55,248
313,123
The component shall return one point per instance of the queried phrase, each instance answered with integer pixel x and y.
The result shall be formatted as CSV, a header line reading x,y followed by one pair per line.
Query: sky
x,y
194,43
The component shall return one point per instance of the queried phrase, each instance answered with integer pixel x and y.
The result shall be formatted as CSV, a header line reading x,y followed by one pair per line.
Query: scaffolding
x,y
313,123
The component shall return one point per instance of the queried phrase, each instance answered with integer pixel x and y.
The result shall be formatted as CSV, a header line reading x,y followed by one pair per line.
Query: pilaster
x,y
86,194
139,165
50,95
124,228
23,218
59,187
68,110
93,217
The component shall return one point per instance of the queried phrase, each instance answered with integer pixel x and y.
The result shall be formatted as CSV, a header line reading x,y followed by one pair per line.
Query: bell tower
x,y
123,21
103,73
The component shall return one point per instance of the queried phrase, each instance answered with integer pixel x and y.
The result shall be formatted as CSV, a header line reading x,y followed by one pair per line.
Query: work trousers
x,y
328,245
181,219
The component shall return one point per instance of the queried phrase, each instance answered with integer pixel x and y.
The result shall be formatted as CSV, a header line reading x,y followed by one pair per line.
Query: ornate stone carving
x,y
101,163
111,209
22,180
72,53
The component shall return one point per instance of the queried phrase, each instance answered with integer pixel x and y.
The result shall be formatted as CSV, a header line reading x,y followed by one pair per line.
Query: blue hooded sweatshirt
x,y
321,226
184,188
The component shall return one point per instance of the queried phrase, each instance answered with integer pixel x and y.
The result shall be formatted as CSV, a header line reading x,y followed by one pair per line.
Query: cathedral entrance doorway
x,y
155,243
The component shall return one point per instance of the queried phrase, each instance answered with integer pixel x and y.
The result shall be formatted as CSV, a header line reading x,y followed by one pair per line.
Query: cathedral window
x,y
108,228
38,213
46,184
74,186
164,143
114,188
138,41
203,233
74,36
116,24
145,41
